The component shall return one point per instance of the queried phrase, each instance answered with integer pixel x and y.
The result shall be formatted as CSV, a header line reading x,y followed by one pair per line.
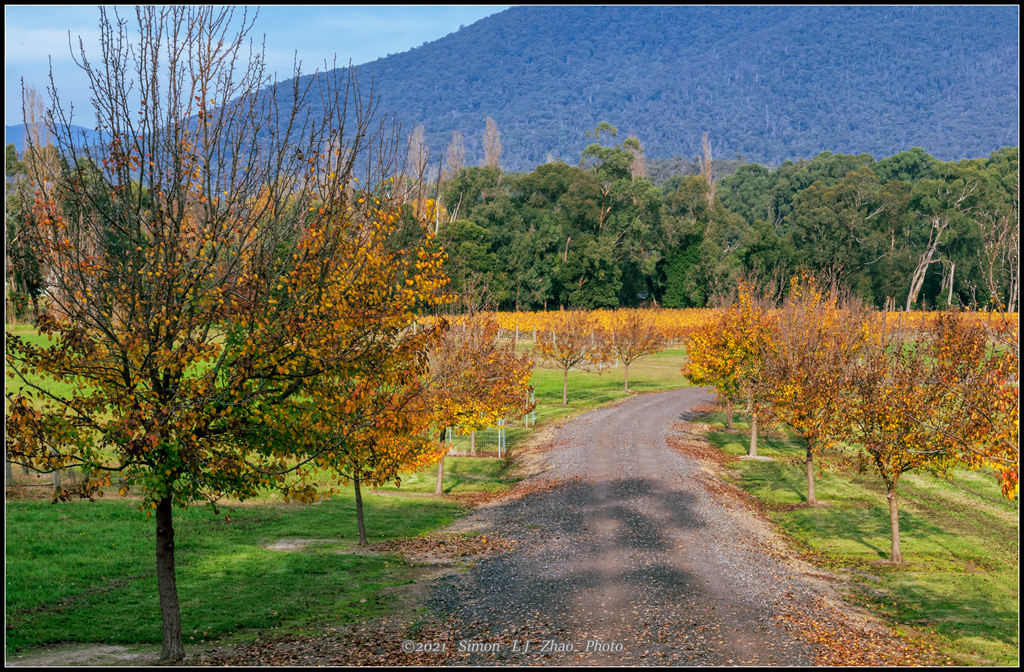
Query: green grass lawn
x,y
85,572
959,538
461,475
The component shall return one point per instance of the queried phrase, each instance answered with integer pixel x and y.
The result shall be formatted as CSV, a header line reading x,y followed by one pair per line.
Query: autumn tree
x,y
475,380
193,248
891,391
817,335
977,367
367,419
928,401
732,352
570,342
492,144
632,334
455,159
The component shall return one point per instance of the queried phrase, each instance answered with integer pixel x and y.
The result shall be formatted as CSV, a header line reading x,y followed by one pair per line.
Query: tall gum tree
x,y
190,249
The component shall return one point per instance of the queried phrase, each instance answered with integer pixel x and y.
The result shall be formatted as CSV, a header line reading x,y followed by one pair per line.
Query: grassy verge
x,y
461,475
960,539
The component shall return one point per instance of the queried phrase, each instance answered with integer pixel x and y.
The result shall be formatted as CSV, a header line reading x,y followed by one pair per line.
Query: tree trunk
x,y
728,413
173,650
810,475
917,279
626,388
565,385
56,474
472,441
894,524
440,463
952,269
753,435
359,514
10,288
9,473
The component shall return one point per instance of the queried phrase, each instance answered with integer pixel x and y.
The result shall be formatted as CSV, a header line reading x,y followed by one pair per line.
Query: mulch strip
x,y
444,546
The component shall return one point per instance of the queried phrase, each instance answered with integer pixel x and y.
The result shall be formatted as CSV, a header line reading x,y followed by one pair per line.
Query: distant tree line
x,y
904,232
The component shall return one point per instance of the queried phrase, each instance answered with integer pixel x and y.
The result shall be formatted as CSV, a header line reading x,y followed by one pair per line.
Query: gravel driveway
x,y
629,560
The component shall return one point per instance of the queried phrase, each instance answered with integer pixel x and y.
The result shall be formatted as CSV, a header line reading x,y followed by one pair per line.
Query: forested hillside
x,y
770,83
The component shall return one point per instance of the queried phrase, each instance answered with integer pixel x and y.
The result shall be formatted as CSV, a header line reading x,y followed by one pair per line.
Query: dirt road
x,y
631,560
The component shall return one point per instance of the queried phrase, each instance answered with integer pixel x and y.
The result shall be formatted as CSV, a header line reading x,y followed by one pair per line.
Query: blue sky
x,y
36,34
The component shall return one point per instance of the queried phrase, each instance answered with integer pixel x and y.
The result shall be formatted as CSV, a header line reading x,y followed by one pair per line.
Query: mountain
x,y
768,83
16,135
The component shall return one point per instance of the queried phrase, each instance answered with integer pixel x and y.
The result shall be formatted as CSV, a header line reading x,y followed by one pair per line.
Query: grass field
x,y
84,572
960,542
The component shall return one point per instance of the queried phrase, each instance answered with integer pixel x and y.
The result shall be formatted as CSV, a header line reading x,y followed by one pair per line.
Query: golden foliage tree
x,y
368,419
929,400
815,339
731,351
977,367
476,380
630,335
571,341
194,249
